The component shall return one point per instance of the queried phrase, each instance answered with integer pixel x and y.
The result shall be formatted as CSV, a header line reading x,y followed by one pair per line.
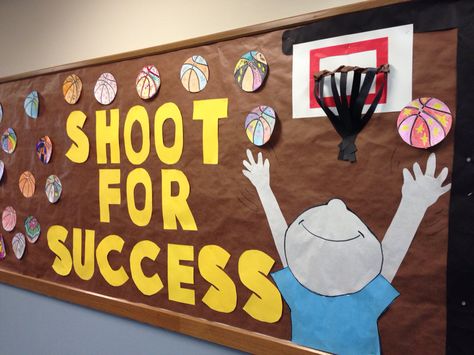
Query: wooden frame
x,y
211,331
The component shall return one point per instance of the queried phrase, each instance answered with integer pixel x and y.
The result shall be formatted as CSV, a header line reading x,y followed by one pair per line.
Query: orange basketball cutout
x,y
105,89
9,218
72,88
424,122
148,82
27,184
194,74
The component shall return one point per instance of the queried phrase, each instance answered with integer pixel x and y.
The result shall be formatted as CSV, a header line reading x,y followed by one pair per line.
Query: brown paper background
x,y
304,172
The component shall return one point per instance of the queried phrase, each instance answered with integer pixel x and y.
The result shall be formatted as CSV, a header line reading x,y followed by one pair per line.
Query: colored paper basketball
x,y
1,113
194,73
19,245
259,124
2,169
32,228
3,250
105,89
424,122
9,141
251,71
32,104
148,82
53,188
27,184
44,149
72,89
9,218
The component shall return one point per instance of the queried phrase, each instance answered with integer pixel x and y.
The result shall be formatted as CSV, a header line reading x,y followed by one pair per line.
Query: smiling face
x,y
331,251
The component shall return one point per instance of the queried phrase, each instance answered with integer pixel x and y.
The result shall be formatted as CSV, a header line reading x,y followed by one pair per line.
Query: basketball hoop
x,y
350,120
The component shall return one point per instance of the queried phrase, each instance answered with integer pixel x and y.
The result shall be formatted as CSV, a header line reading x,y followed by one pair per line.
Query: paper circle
x,y
27,184
3,250
9,141
53,188
194,74
32,228
1,113
31,104
424,122
9,218
72,89
105,89
251,71
148,82
259,124
2,169
19,245
44,149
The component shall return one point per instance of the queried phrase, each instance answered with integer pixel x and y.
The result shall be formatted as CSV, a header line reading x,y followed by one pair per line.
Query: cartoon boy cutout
x,y
336,276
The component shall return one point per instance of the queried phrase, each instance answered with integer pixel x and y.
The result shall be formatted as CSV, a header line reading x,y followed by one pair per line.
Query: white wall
x,y
40,34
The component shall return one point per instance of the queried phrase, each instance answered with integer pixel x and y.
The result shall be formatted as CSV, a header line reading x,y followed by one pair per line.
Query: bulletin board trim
x,y
215,332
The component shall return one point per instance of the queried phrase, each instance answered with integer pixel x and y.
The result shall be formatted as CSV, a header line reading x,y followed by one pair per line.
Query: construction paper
x,y
32,228
78,151
179,275
148,82
83,253
9,218
251,71
111,243
105,89
72,89
44,149
9,141
424,122
392,45
148,285
1,113
259,124
27,184
2,169
18,245
53,188
32,104
194,74
3,250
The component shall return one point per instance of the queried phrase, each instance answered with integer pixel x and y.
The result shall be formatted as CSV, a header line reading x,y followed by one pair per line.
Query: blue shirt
x,y
342,325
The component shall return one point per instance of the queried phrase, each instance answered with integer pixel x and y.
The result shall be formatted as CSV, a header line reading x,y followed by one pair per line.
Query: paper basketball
x,y
3,250
31,104
251,71
105,89
72,88
2,169
194,74
424,122
44,149
259,124
53,188
32,228
9,141
9,218
27,184
148,82
18,245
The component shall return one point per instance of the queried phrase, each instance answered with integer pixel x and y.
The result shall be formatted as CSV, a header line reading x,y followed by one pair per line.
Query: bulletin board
x,y
159,198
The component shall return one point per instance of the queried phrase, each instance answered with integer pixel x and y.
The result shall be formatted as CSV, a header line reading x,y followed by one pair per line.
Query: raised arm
x,y
418,194
258,172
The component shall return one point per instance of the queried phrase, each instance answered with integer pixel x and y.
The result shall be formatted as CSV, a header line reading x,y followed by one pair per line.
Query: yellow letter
x,y
107,195
210,112
78,151
147,285
169,155
107,134
137,114
176,207
265,303
139,217
178,273
62,262
84,270
113,277
221,296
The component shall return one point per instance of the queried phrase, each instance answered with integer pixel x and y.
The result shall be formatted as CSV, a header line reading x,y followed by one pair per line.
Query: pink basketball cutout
x,y
9,218
105,89
148,82
424,122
